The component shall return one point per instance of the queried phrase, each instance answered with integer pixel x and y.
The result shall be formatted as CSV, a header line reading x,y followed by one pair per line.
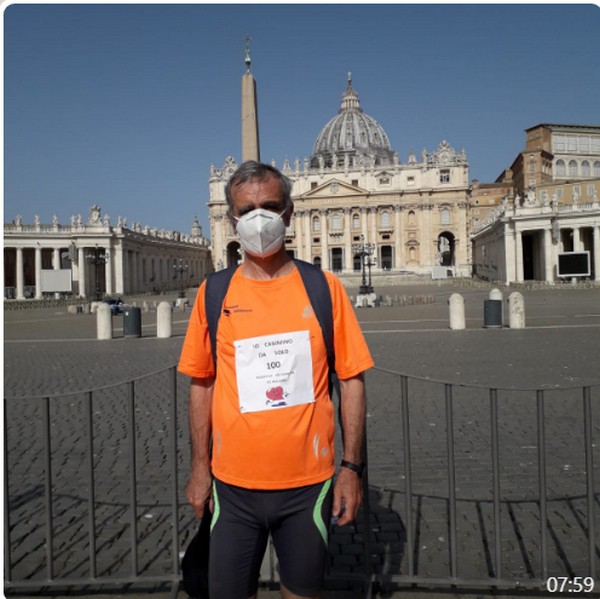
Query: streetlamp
x,y
365,251
96,258
180,268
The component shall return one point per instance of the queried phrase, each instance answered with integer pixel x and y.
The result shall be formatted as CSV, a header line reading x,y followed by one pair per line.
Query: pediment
x,y
333,188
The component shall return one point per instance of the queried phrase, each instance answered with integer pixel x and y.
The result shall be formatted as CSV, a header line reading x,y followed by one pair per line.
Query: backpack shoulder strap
x,y
319,294
217,284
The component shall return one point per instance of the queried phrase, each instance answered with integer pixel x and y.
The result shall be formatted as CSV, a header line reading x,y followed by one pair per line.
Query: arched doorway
x,y
445,249
234,253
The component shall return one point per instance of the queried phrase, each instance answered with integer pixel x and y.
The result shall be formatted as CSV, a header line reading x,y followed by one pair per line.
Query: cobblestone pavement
x,y
48,352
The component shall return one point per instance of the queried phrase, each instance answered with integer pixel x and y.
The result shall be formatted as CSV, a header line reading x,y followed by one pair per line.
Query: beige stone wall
x,y
402,209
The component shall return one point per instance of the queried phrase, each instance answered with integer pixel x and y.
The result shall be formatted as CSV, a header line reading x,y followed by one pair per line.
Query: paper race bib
x,y
274,371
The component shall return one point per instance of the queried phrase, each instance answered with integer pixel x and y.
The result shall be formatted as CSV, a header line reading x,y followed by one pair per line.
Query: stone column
x,y
324,240
596,253
298,222
132,286
364,222
20,290
427,249
510,259
307,237
577,242
81,272
348,257
519,257
38,272
108,278
398,258
548,256
117,260
56,259
372,215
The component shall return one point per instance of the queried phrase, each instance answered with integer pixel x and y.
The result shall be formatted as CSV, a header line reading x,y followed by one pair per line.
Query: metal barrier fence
x,y
466,487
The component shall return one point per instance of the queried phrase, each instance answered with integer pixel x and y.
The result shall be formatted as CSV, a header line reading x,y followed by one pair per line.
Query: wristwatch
x,y
358,468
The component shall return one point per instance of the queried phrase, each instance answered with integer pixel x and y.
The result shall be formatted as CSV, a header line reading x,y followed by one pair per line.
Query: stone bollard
x,y
492,310
457,312
516,310
164,320
104,328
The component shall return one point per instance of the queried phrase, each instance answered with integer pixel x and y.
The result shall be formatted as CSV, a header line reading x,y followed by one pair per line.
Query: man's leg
x,y
289,595
237,543
300,537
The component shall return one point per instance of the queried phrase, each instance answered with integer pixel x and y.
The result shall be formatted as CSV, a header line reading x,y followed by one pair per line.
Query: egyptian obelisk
x,y
250,143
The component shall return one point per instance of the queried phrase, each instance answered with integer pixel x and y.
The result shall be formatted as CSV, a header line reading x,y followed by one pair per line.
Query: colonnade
x,y
546,252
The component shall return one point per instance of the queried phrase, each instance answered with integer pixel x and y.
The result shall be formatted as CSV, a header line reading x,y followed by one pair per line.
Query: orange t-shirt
x,y
283,447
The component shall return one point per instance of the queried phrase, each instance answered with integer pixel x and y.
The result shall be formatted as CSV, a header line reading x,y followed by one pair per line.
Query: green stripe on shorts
x,y
217,509
317,515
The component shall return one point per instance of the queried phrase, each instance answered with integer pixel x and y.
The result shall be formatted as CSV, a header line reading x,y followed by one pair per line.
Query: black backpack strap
x,y
217,284
319,294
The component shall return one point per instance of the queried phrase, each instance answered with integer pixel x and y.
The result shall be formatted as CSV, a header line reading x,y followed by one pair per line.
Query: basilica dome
x,y
352,138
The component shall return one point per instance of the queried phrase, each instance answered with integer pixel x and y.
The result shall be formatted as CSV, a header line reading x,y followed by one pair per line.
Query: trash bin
x,y
492,313
132,322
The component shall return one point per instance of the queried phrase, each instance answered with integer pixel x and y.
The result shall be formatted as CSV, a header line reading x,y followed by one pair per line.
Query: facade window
x,y
412,219
313,185
410,181
336,222
597,168
385,219
356,221
584,143
355,182
445,216
595,145
590,191
560,168
572,168
560,192
585,169
559,143
357,263
384,181
445,175
316,224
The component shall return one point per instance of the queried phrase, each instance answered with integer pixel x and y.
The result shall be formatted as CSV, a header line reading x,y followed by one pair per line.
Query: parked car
x,y
117,306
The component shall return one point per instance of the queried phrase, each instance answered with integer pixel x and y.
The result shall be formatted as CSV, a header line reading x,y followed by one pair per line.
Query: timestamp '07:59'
x,y
564,584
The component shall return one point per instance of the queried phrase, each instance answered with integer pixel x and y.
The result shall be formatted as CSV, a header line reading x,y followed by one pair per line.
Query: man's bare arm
x,y
199,487
348,487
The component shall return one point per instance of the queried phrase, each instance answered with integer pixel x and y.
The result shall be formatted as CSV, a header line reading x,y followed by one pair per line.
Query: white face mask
x,y
261,232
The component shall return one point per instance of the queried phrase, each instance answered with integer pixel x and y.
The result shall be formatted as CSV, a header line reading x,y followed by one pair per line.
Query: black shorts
x,y
298,521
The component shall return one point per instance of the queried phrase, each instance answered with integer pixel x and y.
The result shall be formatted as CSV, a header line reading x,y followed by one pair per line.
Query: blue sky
x,y
127,106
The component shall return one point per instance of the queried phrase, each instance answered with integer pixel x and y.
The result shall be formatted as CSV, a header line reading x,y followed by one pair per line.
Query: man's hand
x,y
347,496
199,490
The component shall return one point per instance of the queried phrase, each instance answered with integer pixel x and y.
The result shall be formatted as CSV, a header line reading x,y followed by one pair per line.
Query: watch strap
x,y
358,468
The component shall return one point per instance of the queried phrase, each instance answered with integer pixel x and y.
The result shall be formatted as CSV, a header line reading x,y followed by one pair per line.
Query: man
x,y
267,409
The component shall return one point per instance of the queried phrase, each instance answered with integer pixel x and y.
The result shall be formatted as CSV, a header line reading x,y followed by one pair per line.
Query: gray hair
x,y
250,170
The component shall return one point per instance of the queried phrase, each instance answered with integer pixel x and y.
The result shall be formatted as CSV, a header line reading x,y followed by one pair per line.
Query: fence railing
x,y
466,486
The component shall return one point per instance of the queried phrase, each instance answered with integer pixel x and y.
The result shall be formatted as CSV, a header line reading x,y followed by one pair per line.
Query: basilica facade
x,y
354,197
